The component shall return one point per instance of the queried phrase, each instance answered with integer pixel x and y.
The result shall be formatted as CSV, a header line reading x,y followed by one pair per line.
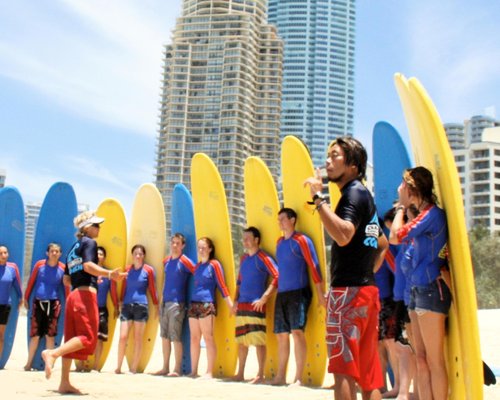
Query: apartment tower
x,y
221,95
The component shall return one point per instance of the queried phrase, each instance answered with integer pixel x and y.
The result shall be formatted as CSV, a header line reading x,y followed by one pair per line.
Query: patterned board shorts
x,y
199,309
250,326
44,318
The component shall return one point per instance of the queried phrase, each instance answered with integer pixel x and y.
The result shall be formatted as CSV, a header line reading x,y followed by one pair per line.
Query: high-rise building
x,y
221,95
455,133
474,127
3,176
478,167
318,69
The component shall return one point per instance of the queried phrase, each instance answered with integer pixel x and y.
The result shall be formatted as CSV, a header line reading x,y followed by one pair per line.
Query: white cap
x,y
94,219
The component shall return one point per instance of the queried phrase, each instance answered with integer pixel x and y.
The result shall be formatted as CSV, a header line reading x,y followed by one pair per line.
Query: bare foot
x,y
174,374
278,381
193,375
118,371
67,388
237,378
258,379
296,383
49,361
161,372
391,394
27,367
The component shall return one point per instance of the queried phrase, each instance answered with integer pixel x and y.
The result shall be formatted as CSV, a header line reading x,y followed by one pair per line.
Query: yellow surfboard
x,y
113,237
212,220
296,167
429,141
262,206
147,227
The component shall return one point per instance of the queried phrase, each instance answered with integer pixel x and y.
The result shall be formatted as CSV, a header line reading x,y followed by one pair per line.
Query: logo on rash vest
x,y
372,231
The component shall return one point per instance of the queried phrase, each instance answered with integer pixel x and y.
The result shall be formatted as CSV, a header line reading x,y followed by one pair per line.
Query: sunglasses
x,y
96,225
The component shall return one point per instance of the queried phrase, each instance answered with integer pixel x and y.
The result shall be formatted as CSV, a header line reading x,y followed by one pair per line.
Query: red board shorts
x,y
82,321
352,334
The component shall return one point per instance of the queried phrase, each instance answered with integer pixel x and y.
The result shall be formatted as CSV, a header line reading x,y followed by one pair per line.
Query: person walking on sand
x,y
358,249
249,306
178,268
295,254
81,315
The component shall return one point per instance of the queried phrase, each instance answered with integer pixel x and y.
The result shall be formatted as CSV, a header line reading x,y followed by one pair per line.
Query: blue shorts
x,y
290,310
134,312
435,297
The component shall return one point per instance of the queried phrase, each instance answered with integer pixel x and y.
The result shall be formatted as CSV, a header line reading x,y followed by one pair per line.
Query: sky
x,y
80,82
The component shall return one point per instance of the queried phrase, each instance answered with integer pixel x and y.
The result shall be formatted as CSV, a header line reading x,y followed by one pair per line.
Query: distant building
x,y
318,69
479,169
3,176
221,95
32,211
476,125
456,135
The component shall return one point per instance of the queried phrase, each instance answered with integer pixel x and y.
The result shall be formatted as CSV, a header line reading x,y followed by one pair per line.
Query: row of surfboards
x,y
204,213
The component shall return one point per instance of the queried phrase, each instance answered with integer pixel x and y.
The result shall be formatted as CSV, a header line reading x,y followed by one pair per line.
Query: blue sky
x,y
80,82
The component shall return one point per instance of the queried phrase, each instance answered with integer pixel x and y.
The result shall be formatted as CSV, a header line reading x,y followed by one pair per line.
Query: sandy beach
x,y
15,383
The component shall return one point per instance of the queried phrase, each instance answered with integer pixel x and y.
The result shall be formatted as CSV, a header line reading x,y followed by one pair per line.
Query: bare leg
x,y
124,329
97,355
178,359
423,373
207,330
261,359
392,353
65,387
300,346
50,356
283,354
344,387
2,336
138,336
405,371
166,349
242,359
195,331
31,352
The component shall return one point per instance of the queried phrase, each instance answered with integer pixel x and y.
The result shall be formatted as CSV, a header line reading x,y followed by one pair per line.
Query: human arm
x,y
152,289
31,282
234,308
382,248
272,269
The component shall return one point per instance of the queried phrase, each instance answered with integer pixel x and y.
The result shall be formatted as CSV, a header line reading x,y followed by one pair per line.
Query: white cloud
x,y
100,60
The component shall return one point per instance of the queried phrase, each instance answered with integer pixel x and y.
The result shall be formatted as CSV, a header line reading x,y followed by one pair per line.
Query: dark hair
x,y
52,244
138,246
208,241
180,236
354,153
104,250
390,214
254,231
290,213
420,181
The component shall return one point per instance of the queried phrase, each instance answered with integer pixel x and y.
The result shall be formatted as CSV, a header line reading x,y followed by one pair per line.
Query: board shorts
x,y
435,297
402,318
250,325
290,310
198,309
134,312
171,319
81,320
44,317
4,313
352,334
102,333
387,321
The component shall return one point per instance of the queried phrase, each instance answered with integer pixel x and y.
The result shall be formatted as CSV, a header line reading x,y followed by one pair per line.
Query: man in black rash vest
x,y
81,315
358,250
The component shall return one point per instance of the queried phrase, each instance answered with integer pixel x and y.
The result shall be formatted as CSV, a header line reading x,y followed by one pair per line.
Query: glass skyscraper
x,y
318,69
221,95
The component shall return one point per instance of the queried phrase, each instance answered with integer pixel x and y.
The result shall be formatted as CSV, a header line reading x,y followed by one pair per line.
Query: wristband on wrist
x,y
317,195
398,208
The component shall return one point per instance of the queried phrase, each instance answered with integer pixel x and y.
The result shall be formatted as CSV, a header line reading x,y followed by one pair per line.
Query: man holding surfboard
x,y
295,254
358,249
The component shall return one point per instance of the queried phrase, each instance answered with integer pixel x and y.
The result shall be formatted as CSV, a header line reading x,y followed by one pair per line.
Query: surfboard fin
x,y
488,375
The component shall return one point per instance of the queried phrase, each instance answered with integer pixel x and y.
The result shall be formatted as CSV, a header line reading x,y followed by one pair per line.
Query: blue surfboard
x,y
54,225
183,222
390,158
12,236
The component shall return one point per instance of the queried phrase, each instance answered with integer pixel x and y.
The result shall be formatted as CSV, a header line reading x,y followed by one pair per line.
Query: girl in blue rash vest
x,y
134,305
208,275
430,297
9,277
46,282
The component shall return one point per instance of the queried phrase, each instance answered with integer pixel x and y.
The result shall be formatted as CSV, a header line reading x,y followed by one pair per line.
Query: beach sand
x,y
15,383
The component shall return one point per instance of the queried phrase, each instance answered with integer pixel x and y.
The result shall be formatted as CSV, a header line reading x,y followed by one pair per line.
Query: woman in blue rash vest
x,y
430,297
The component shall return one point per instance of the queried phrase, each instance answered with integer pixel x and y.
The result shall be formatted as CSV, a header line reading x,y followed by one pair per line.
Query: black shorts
x,y
4,313
102,334
44,317
387,323
134,312
290,310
